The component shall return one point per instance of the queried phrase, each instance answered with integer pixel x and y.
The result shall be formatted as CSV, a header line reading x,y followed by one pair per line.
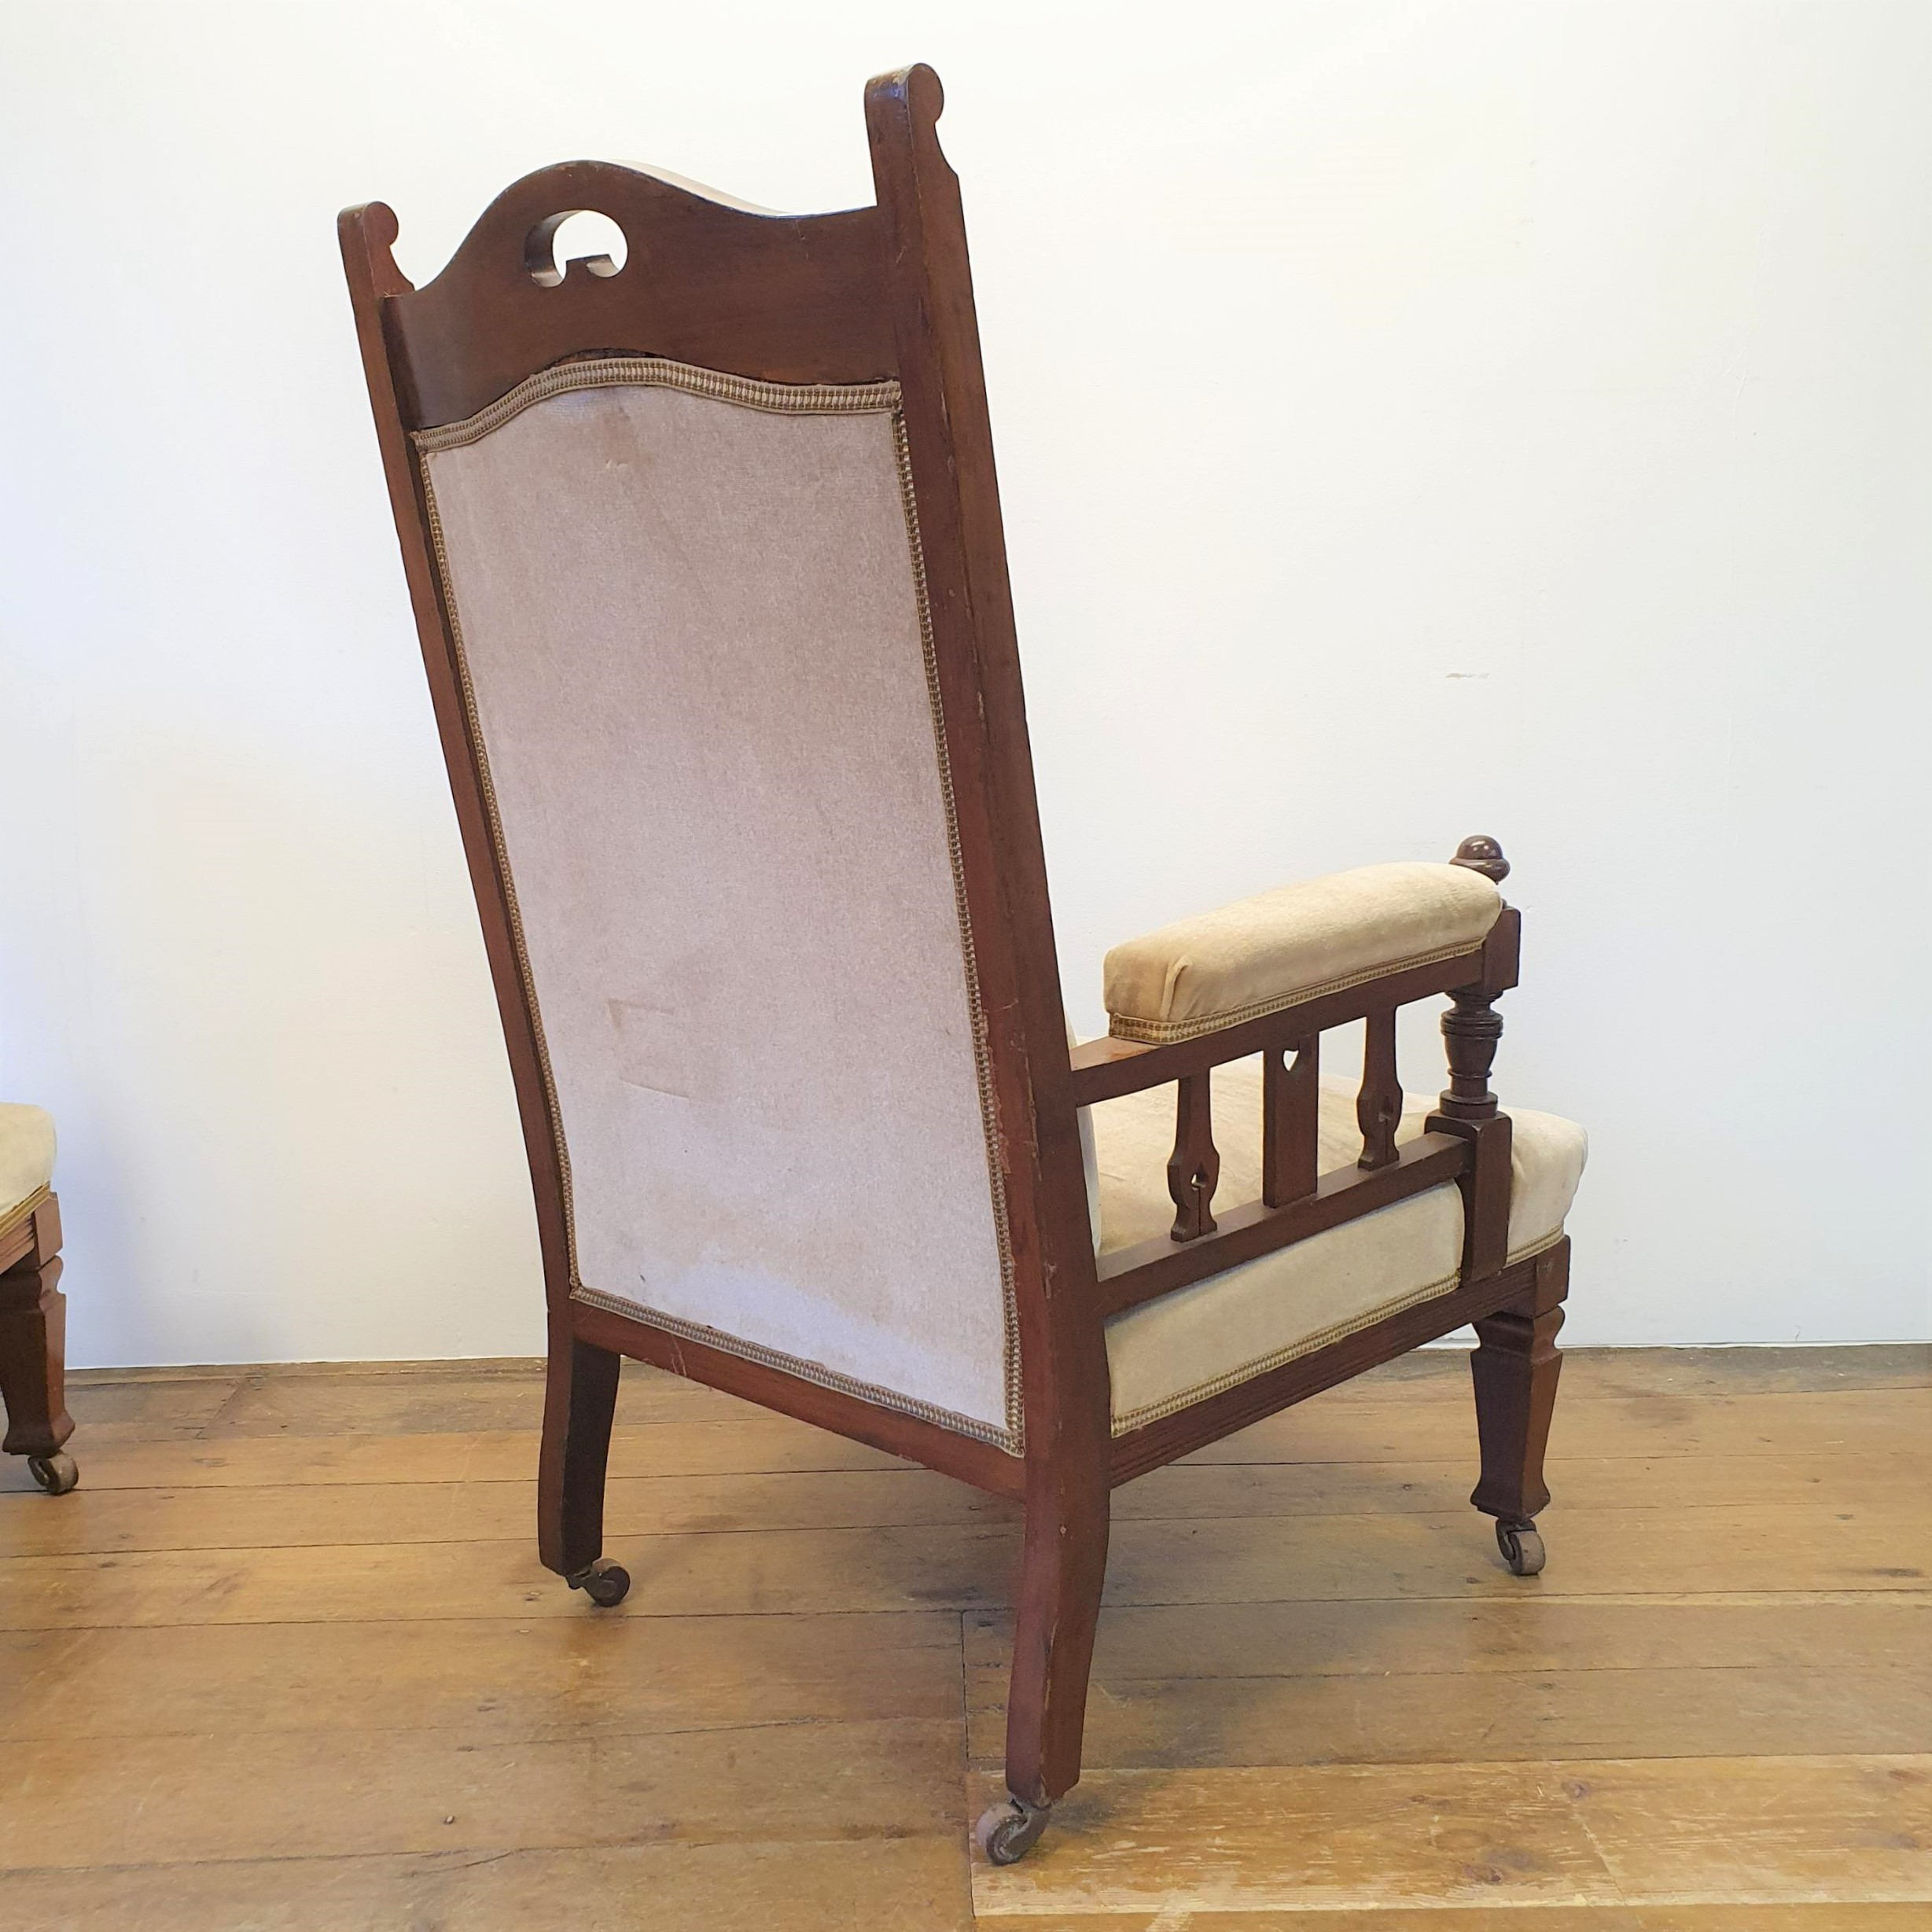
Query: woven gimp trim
x,y
781,398
651,372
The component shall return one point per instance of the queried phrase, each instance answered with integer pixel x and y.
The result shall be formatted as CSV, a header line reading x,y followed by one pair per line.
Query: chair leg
x,y
1515,1368
1061,1572
33,1354
579,1400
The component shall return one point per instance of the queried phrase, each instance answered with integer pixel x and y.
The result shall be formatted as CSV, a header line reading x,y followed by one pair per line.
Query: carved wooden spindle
x,y
1195,1166
1471,1029
1291,1104
1379,1106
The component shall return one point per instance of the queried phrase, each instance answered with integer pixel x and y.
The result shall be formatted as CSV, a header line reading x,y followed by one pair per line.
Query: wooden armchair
x,y
706,558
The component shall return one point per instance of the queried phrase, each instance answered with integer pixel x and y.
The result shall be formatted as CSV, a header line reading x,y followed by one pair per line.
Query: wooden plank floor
x,y
286,1660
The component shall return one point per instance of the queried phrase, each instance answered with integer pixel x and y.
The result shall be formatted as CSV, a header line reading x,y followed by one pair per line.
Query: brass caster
x,y
1521,1547
1006,1832
56,1474
604,1583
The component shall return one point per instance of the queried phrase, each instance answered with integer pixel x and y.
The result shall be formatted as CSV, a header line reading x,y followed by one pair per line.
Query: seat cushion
x,y
26,1154
1201,1340
1318,936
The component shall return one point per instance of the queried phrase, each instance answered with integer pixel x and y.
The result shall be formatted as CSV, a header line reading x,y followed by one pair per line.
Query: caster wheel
x,y
603,1583
56,1474
1521,1547
1006,1832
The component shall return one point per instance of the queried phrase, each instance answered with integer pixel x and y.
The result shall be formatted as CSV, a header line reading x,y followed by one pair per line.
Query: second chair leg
x,y
33,1334
579,1401
1515,1368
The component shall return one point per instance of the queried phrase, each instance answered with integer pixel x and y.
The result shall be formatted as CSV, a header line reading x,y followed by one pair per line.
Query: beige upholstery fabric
x,y
1259,955
1235,1325
26,1154
693,637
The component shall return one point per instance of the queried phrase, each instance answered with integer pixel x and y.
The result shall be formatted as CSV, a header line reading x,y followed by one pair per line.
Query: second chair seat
x,y
1170,1353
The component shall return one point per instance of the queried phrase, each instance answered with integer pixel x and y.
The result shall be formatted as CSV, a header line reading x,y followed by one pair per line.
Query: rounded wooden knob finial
x,y
1483,855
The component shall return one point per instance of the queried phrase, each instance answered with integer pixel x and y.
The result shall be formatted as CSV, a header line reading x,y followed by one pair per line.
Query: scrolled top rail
x,y
707,281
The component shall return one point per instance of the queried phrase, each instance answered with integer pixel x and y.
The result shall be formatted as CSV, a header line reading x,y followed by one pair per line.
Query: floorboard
x,y
286,1662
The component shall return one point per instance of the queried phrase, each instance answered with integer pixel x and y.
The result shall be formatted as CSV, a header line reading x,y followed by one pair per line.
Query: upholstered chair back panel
x,y
690,619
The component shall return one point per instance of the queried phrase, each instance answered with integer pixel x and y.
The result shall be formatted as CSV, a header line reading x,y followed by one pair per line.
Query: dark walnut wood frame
x,y
856,297
33,1342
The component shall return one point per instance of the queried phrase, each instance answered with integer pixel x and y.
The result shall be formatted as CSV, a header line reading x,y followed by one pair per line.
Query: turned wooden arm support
x,y
1471,1030
1467,1140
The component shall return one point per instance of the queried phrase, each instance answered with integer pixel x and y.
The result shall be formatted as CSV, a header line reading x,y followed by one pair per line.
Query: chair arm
x,y
1293,945
1105,1068
1270,975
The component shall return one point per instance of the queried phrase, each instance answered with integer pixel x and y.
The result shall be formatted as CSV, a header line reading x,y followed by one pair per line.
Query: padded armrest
x,y
1316,936
26,1154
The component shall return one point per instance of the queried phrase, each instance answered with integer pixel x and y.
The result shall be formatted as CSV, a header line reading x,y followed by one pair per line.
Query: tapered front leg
x,y
579,1401
1515,1368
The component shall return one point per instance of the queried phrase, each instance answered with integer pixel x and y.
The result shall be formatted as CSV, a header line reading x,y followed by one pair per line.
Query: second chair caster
x,y
1520,1545
604,1583
1008,1830
56,1474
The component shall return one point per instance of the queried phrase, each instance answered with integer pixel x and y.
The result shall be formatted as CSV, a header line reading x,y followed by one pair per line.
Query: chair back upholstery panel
x,y
690,617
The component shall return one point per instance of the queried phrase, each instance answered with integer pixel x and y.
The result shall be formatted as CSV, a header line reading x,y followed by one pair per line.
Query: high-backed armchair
x,y
706,558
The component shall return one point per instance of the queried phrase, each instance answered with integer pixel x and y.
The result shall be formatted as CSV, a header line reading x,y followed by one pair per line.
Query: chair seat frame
x,y
858,296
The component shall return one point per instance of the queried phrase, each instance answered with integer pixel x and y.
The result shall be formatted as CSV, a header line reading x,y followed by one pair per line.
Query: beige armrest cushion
x,y
1318,936
26,1154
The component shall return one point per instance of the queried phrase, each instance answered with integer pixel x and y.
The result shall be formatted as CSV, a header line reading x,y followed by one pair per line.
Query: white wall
x,y
1414,419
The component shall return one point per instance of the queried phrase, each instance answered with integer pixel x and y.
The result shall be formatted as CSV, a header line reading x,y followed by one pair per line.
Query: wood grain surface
x,y
287,1660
